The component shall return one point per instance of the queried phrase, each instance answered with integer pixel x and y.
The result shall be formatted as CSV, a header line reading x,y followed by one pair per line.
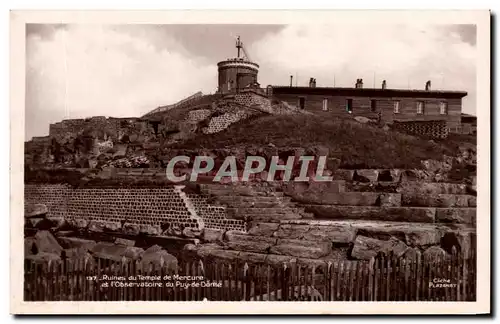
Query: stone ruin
x,y
139,142
354,217
359,214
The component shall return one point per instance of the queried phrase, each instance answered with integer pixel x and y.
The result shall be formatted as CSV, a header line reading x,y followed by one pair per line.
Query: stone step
x,y
351,198
441,200
364,222
262,258
236,187
415,188
301,248
405,214
456,215
409,214
244,193
242,242
269,217
254,202
344,231
263,211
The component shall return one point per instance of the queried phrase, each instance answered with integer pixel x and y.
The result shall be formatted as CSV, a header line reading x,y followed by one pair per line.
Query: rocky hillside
x,y
349,144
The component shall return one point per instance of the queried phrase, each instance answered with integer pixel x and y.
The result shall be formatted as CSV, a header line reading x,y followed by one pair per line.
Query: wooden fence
x,y
383,278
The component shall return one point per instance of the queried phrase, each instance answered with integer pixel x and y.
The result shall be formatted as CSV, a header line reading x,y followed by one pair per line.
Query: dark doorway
x,y
348,106
302,103
373,105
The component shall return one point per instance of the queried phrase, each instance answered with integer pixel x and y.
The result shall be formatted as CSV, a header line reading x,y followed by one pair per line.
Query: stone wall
x,y
214,216
263,103
222,122
250,98
434,128
74,126
55,197
196,116
155,207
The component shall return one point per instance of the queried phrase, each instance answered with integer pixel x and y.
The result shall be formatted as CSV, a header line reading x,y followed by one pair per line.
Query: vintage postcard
x,y
250,162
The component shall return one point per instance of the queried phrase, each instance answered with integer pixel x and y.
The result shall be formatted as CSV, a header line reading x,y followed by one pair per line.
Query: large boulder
x,y
46,242
97,226
212,235
36,210
133,252
191,232
301,248
263,229
326,233
150,229
78,222
122,241
44,258
434,253
156,256
416,237
242,242
332,233
131,229
251,257
115,252
74,242
112,226
291,231
366,248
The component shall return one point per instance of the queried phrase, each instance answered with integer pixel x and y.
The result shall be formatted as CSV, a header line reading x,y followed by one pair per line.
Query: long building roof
x,y
367,92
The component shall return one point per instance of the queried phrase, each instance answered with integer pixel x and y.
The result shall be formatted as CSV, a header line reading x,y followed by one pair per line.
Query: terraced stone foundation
x,y
265,222
325,221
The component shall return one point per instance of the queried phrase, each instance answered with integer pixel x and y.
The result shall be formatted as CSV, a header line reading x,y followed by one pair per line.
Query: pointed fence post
x,y
244,281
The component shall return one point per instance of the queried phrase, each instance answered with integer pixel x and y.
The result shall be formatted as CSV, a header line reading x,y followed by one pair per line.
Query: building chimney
x,y
291,80
359,83
428,86
384,85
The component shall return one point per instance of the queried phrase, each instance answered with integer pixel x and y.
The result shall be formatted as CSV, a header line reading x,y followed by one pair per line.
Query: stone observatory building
x,y
237,73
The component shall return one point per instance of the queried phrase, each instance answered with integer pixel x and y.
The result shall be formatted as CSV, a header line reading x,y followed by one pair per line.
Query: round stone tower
x,y
237,73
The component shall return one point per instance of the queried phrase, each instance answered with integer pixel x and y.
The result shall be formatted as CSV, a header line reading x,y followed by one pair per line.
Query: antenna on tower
x,y
239,45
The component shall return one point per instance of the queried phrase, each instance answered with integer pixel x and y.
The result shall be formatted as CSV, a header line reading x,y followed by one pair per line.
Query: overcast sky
x,y
77,71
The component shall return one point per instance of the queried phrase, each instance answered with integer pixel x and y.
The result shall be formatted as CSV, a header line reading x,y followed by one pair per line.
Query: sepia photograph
x,y
328,160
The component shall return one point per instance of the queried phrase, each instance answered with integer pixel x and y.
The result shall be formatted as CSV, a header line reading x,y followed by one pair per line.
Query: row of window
x,y
443,106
